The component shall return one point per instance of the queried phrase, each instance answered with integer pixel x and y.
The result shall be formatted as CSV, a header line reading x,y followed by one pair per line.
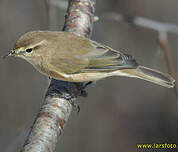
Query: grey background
x,y
118,112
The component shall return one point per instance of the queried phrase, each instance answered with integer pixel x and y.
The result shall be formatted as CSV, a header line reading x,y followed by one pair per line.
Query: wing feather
x,y
78,54
108,59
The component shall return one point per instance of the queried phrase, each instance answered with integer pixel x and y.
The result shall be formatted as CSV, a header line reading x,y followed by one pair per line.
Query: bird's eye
x,y
29,50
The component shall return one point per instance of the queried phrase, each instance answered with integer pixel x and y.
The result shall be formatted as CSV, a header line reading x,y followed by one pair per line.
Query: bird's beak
x,y
11,53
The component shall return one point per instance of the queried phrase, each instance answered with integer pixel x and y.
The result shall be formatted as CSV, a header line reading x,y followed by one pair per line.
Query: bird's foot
x,y
67,90
75,105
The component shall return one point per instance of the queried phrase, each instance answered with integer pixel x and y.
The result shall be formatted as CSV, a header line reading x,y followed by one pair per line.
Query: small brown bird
x,y
69,57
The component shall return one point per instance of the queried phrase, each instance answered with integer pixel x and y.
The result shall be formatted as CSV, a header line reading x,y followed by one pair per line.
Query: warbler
x,y
69,57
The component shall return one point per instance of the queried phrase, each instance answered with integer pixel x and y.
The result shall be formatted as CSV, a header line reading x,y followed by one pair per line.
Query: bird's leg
x,y
68,90
75,105
88,83
83,93
82,87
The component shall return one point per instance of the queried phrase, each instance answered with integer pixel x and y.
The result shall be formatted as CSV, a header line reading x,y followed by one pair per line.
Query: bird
x,y
69,57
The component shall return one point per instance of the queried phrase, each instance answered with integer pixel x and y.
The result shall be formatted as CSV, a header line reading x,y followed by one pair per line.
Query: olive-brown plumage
x,y
67,56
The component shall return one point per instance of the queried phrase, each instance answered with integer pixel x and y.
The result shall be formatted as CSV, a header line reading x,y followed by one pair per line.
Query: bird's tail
x,y
150,75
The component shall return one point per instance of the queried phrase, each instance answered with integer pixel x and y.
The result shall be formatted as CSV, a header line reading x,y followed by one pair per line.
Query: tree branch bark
x,y
57,107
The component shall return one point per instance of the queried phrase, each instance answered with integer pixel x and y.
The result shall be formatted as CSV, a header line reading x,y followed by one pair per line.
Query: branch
x,y
141,21
164,44
161,28
57,107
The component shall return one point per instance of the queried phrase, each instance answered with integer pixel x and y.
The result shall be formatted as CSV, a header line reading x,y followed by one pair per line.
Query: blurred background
x,y
118,113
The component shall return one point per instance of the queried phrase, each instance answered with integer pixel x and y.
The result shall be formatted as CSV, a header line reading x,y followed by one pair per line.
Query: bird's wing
x,y
82,55
69,63
104,58
71,55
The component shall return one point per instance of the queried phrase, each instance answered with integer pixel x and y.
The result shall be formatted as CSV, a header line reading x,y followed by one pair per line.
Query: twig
x,y
57,107
141,21
161,28
155,25
164,44
136,20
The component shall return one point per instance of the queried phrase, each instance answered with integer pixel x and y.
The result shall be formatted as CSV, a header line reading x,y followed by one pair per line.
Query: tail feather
x,y
150,75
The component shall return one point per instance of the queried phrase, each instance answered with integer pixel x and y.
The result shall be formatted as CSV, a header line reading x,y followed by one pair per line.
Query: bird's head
x,y
29,46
